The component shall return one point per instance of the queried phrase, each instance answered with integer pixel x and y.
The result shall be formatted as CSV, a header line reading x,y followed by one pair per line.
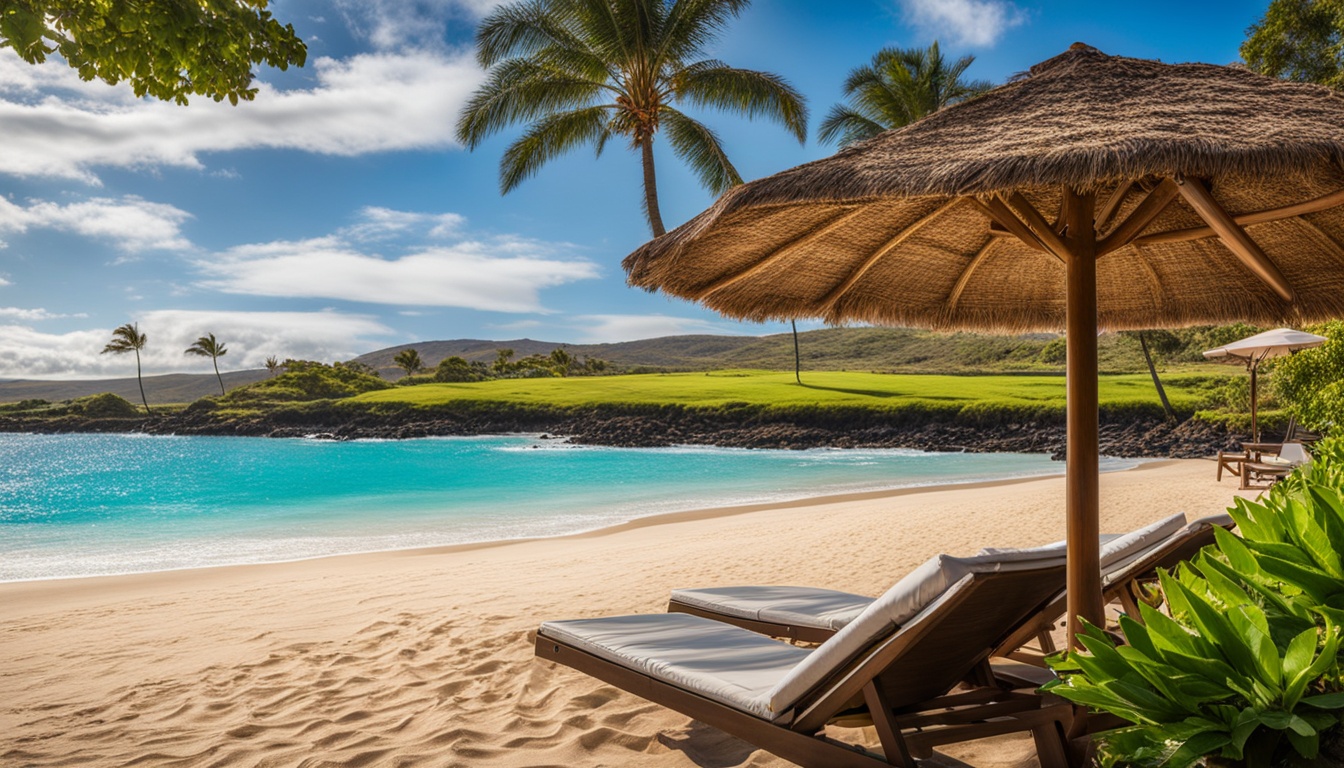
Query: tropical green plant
x,y
582,72
1247,665
272,365
1311,382
409,361
457,369
168,49
305,380
128,338
1299,40
209,346
899,86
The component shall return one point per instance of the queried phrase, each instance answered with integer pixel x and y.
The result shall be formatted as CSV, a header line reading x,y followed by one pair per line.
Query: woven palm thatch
x,y
894,230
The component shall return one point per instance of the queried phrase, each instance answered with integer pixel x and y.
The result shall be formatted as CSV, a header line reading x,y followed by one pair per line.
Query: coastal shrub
x,y
104,406
457,369
1311,382
30,404
1247,665
304,380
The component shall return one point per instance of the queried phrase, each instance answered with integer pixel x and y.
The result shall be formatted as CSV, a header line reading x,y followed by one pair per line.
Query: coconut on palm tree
x,y
208,346
584,72
900,86
128,338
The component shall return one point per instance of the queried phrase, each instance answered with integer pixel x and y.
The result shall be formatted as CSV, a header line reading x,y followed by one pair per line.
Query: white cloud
x,y
390,24
376,223
59,126
131,223
32,315
499,274
964,22
249,336
601,329
3,281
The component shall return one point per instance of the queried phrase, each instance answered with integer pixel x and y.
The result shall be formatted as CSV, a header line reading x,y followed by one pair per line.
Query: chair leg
x,y
894,747
1049,738
1220,466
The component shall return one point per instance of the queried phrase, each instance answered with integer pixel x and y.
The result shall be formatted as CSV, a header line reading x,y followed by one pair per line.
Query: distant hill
x,y
892,350
169,388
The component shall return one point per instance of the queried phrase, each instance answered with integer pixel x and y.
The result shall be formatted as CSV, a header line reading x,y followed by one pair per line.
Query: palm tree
x,y
208,346
900,86
272,364
581,72
128,338
409,361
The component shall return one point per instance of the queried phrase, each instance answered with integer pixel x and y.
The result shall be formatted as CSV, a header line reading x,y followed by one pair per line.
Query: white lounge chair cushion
x,y
728,664
790,606
830,609
920,591
1124,567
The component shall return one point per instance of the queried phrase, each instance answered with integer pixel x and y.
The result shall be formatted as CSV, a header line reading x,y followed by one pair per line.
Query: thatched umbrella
x,y
1098,191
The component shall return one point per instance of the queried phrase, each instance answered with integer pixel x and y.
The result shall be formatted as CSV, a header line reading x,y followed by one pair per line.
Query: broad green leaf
x,y
1297,662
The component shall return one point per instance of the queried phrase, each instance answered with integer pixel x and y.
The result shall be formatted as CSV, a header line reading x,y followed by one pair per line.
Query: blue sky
x,y
335,214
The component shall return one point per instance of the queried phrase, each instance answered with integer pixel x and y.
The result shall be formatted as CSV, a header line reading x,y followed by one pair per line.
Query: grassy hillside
x,y
889,350
170,388
775,390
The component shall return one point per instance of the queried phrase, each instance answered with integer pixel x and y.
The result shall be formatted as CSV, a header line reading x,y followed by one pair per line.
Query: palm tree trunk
x,y
140,379
651,189
1152,371
797,361
215,359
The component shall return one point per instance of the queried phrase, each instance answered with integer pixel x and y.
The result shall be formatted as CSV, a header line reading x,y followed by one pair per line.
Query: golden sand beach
x,y
424,657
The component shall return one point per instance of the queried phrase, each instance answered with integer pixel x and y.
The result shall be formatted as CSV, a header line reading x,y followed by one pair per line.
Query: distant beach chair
x,y
1128,561
1264,473
900,665
1253,452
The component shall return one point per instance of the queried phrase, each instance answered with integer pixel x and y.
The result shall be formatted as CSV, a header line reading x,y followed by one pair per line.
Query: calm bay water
x,y
84,505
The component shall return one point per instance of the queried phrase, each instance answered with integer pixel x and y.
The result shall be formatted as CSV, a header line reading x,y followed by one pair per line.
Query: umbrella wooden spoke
x,y
1234,237
1296,210
1153,204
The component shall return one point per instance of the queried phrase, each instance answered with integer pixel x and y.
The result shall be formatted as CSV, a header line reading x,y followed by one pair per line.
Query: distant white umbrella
x,y
1252,350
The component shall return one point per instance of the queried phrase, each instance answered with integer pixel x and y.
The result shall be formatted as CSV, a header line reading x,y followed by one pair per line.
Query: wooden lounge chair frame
x,y
1129,591
1232,461
904,681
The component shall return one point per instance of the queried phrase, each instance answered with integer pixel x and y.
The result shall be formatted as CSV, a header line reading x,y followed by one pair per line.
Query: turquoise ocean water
x,y
85,505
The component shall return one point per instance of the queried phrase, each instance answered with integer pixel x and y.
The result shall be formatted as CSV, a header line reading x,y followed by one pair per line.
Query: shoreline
x,y
424,658
635,523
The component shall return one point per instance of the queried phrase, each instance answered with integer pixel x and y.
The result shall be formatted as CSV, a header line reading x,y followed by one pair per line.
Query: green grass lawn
x,y
778,390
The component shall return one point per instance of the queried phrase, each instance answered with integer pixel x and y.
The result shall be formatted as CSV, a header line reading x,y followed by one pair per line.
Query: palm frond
x,y
693,24
521,29
551,137
126,338
521,90
207,346
847,126
695,143
711,84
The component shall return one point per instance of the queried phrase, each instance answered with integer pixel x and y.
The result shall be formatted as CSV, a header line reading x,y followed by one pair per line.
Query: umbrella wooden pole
x,y
1255,424
1082,471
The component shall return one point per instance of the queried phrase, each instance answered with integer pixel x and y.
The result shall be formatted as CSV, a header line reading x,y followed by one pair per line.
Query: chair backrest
x,y
1296,453
1180,546
931,629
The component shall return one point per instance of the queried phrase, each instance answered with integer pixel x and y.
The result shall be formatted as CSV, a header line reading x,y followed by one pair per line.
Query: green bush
x,y
1247,665
456,369
304,380
105,406
23,405
1311,382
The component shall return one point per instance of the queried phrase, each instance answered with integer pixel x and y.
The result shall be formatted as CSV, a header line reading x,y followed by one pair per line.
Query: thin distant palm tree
x,y
900,86
128,338
208,346
409,361
581,72
272,364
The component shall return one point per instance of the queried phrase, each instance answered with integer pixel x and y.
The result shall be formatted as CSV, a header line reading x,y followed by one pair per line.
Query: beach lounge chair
x,y
812,615
1254,452
899,665
1264,473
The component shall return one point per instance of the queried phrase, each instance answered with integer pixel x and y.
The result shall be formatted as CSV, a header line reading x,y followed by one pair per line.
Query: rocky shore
x,y
1131,437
